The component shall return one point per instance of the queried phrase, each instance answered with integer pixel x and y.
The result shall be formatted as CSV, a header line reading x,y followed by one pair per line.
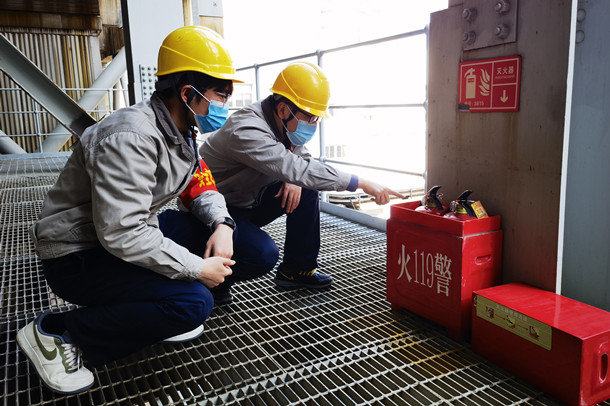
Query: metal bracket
x,y
487,23
147,80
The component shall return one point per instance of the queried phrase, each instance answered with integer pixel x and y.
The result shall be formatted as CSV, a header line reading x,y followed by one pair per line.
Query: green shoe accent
x,y
50,355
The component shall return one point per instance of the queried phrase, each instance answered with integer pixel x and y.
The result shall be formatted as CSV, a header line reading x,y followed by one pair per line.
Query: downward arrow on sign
x,y
504,96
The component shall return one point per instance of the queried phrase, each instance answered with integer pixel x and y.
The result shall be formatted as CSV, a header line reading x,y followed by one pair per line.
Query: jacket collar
x,y
267,105
168,127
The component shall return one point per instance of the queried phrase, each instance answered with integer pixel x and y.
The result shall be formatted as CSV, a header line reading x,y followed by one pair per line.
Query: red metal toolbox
x,y
434,264
556,343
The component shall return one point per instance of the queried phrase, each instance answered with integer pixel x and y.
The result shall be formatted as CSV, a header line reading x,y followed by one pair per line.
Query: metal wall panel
x,y
586,259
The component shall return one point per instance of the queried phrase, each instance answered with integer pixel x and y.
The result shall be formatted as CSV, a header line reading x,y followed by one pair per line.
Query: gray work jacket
x,y
246,155
121,172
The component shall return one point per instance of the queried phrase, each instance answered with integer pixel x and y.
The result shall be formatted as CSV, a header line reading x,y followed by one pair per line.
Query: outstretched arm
x,y
380,193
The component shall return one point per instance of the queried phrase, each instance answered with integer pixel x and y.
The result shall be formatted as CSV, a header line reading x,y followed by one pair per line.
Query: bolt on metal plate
x,y
486,23
148,80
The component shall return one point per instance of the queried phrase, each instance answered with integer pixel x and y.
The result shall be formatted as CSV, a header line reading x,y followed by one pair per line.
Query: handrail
x,y
368,106
380,168
337,49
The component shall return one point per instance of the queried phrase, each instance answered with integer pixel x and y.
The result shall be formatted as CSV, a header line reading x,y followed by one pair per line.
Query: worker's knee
x,y
269,256
309,195
193,307
261,261
204,304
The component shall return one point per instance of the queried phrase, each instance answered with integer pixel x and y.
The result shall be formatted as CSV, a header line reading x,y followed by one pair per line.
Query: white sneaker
x,y
188,336
58,363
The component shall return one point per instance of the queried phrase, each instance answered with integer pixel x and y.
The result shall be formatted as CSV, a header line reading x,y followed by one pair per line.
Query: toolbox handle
x,y
482,259
603,370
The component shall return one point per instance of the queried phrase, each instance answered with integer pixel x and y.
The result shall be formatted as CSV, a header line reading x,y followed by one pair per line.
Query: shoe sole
x,y
223,302
185,337
290,284
28,351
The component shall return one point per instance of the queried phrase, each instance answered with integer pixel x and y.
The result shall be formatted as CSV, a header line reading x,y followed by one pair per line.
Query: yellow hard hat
x,y
197,49
305,85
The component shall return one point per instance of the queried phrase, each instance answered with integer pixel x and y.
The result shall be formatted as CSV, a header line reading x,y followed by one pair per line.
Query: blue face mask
x,y
216,117
302,134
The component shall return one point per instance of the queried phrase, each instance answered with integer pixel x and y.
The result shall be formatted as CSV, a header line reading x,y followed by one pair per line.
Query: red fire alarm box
x,y
434,264
556,343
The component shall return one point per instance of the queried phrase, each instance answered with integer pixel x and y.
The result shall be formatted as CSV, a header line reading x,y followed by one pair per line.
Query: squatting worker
x,y
263,169
141,278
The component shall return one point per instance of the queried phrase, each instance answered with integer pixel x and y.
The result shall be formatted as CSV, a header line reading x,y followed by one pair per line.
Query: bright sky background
x,y
264,30
258,31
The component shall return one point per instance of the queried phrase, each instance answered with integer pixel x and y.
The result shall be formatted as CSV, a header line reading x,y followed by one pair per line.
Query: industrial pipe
x,y
8,146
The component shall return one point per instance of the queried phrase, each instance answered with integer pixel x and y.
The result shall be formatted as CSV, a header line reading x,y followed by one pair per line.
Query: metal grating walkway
x,y
271,347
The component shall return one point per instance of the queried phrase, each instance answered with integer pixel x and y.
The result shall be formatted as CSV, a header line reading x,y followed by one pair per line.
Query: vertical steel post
x,y
256,82
38,126
324,195
427,34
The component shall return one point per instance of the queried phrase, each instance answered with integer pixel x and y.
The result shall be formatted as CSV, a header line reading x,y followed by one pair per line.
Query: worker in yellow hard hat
x,y
138,277
263,169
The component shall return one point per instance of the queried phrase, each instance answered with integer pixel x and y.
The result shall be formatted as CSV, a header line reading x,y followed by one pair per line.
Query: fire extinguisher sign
x,y
491,85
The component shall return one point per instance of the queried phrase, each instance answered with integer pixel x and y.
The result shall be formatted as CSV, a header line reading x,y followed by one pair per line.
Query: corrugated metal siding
x,y
66,57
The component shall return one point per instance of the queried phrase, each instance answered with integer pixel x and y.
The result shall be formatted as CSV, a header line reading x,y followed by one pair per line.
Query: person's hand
x,y
220,243
215,270
380,193
291,196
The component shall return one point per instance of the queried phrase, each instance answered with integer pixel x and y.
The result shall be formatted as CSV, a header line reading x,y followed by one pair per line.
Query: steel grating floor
x,y
271,347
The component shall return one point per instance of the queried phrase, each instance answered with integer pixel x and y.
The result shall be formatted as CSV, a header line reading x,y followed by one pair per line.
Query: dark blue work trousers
x,y
126,307
302,242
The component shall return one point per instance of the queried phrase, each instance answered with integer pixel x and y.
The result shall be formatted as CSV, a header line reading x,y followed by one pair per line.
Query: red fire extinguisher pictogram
x,y
471,84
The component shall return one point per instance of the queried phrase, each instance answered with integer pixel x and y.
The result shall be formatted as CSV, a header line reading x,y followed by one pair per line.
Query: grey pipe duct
x,y
8,146
106,80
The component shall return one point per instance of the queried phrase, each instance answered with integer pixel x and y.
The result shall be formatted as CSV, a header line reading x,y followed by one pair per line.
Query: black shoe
x,y
222,297
303,279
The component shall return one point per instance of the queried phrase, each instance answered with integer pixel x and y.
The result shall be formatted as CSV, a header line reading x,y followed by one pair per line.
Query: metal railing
x,y
319,54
